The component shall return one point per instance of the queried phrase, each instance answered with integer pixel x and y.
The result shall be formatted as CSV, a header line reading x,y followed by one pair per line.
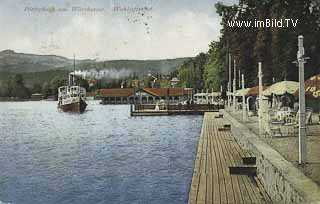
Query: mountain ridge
x,y
14,62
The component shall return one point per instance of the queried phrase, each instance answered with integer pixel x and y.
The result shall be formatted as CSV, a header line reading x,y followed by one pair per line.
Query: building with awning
x,y
143,95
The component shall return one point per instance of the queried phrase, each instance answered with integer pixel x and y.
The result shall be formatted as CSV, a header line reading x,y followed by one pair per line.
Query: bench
x,y
220,115
248,158
226,127
243,169
248,165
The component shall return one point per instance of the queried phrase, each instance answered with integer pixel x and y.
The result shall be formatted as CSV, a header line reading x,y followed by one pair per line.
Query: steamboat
x,y
71,98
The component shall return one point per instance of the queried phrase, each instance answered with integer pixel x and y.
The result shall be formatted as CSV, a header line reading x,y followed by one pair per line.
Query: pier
x,y
172,109
221,174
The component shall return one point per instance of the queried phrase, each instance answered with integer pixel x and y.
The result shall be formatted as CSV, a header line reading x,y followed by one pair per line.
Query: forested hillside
x,y
275,47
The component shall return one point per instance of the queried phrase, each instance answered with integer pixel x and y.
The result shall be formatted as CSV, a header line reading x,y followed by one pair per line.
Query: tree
x,y
36,88
46,90
18,89
55,83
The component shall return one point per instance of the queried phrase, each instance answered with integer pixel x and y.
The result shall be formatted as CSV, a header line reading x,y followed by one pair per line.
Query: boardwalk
x,y
211,181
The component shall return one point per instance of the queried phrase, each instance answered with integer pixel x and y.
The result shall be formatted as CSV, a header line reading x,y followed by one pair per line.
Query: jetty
x,y
223,171
173,109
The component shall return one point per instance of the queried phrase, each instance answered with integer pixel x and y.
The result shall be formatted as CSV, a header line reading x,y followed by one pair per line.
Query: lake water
x,y
101,156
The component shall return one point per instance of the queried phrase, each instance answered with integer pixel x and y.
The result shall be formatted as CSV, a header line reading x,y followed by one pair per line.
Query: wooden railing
x,y
194,107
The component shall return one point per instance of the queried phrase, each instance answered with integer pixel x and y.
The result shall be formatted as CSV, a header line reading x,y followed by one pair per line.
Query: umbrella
x,y
213,94
229,93
242,92
282,88
312,87
254,91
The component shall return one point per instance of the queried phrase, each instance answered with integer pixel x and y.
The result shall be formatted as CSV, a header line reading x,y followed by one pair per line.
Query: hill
x,y
13,62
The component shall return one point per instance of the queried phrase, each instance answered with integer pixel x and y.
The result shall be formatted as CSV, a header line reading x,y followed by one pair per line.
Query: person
x,y
296,106
270,101
285,101
157,107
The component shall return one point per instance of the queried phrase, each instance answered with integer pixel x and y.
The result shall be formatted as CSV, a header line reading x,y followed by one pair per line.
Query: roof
x,y
157,92
160,92
91,94
116,92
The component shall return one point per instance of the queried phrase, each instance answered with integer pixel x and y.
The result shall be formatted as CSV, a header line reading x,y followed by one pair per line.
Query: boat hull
x,y
77,107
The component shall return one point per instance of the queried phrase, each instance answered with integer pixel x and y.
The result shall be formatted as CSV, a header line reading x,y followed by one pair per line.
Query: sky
x,y
109,29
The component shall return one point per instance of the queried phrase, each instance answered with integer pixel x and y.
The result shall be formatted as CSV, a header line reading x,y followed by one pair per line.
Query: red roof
x,y
116,92
161,92
91,94
158,92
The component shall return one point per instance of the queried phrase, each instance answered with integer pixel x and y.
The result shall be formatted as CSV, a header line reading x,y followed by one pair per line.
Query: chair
x,y
294,122
274,125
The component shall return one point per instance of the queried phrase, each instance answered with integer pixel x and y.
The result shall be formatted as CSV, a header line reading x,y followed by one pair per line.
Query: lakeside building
x,y
144,95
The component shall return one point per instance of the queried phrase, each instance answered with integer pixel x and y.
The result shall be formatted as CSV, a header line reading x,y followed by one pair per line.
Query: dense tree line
x,y
15,88
275,47
192,72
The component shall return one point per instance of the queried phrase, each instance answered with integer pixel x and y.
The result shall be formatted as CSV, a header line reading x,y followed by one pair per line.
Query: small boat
x,y
71,98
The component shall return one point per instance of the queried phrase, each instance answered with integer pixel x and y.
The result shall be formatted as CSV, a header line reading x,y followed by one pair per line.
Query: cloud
x,y
111,35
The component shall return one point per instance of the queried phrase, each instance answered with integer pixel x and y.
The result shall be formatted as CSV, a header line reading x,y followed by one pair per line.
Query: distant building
x,y
92,82
174,82
91,95
37,97
143,95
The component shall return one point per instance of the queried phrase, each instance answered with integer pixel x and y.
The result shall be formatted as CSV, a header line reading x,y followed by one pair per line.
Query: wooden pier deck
x,y
169,112
211,182
172,109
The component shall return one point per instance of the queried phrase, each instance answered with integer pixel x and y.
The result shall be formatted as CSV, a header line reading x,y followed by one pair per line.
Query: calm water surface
x,y
101,156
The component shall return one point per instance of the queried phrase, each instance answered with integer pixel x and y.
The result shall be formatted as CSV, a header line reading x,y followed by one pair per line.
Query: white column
x,y
239,79
302,104
212,95
234,85
244,114
207,97
260,98
229,83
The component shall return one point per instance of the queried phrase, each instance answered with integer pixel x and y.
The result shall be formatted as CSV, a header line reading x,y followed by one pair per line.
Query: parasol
x,y
312,87
242,92
254,91
281,88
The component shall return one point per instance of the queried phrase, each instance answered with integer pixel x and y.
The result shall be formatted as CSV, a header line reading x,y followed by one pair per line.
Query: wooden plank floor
x,y
211,181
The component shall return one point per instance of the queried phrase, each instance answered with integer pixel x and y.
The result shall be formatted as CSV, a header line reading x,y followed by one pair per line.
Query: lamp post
x,y
260,98
239,79
243,101
302,104
234,85
229,83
